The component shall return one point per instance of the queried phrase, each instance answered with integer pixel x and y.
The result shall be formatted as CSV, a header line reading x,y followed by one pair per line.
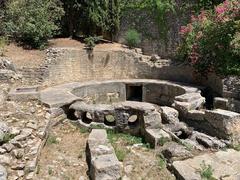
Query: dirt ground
x,y
63,158
33,58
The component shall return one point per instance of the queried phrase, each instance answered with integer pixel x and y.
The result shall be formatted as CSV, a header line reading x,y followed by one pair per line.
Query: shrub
x,y
206,171
91,41
32,22
211,41
132,38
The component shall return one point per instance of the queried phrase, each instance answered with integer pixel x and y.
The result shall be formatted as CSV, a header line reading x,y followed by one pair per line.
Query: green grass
x,y
161,162
119,142
50,171
6,138
236,147
121,153
128,139
163,140
206,171
52,140
83,130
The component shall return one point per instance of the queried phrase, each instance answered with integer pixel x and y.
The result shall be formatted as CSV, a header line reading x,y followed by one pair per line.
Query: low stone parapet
x,y
102,161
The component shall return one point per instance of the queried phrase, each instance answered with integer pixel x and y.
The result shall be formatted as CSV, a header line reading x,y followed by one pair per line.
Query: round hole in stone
x,y
71,115
109,120
132,120
86,117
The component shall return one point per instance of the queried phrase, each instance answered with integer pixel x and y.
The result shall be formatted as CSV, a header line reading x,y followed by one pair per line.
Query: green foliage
x,y
3,43
211,41
103,16
6,138
91,41
206,171
159,8
121,153
32,22
52,140
128,139
163,140
132,38
162,162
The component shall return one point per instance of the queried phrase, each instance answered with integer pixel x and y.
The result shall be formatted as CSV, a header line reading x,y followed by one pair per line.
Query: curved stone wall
x,y
152,91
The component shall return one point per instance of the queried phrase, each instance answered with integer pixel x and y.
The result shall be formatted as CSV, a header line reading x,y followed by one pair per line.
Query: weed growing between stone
x,y
162,162
120,142
206,171
6,138
51,140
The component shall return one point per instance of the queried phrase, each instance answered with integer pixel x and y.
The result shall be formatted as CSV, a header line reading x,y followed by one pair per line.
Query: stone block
x,y
155,136
24,93
220,103
224,163
106,167
152,120
226,122
169,115
196,115
102,161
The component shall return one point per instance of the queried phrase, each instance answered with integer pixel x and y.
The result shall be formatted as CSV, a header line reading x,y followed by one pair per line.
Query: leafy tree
x,y
74,15
32,22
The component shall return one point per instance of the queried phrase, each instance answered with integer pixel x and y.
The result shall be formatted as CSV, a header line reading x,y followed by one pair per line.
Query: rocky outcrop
x,y
102,161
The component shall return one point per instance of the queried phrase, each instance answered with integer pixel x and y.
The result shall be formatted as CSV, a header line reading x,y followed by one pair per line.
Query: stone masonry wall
x,y
69,65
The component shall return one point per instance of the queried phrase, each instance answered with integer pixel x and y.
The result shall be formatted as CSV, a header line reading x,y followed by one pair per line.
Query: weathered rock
x,y
2,151
169,115
31,165
207,141
18,153
188,101
105,167
3,173
196,115
155,58
8,147
192,144
24,134
220,103
226,122
5,159
225,165
152,120
156,136
173,151
6,64
4,127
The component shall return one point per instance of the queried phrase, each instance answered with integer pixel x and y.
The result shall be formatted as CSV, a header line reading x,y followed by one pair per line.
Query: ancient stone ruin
x,y
190,123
